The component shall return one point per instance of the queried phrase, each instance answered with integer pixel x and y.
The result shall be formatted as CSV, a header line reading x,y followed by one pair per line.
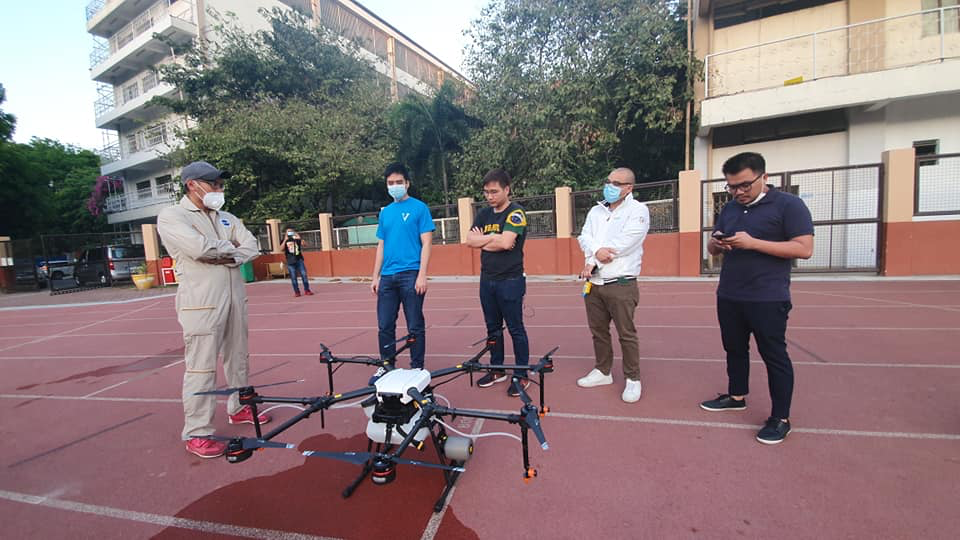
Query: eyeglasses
x,y
618,184
744,186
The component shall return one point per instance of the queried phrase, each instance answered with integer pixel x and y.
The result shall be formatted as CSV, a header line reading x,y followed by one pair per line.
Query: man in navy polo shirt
x,y
759,233
405,230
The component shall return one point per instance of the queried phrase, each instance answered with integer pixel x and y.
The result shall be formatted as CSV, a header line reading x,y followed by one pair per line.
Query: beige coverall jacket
x,y
211,304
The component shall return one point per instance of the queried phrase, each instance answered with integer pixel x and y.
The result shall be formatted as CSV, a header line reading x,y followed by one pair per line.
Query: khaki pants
x,y
616,301
208,331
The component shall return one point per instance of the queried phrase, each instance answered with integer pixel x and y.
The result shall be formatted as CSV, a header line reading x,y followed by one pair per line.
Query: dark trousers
x,y
298,269
616,302
503,301
767,321
394,290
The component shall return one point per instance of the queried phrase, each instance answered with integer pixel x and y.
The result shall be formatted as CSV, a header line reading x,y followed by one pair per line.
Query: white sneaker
x,y
631,392
594,378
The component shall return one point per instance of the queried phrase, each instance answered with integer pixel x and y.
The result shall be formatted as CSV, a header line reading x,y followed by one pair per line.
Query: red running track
x,y
90,417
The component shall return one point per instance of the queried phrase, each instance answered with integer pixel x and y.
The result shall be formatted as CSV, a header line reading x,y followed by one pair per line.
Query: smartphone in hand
x,y
720,235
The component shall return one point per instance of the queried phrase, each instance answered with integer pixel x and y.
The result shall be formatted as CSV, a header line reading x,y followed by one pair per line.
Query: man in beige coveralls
x,y
209,246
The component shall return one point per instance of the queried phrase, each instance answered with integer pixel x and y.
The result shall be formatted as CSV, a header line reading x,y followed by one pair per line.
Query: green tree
x,y
431,132
300,122
69,174
568,89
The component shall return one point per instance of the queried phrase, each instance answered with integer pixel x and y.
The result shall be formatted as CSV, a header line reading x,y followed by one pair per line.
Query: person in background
x,y
499,231
293,249
759,232
405,232
612,242
209,246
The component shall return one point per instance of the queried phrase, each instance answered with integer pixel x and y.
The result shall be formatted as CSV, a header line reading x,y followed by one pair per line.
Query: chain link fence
x,y
73,262
937,188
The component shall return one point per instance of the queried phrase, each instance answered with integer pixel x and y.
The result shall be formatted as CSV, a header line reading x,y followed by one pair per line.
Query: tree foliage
x,y
300,121
568,89
430,134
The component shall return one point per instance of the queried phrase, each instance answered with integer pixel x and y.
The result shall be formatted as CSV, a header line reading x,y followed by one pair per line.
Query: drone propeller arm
x,y
313,405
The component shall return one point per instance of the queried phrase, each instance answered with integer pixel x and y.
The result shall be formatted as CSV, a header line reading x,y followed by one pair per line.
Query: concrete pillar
x,y
392,61
564,211
690,208
7,274
465,216
326,231
899,170
273,229
151,250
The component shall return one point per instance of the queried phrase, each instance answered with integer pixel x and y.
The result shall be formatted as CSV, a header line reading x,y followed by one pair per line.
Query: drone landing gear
x,y
367,468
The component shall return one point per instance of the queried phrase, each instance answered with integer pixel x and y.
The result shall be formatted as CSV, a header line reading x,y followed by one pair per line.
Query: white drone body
x,y
391,386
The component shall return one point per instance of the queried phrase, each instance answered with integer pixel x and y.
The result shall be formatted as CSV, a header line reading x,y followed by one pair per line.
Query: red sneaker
x,y
245,416
309,293
206,448
296,295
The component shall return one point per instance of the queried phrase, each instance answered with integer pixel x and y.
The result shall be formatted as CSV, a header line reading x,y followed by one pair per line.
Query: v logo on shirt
x,y
405,215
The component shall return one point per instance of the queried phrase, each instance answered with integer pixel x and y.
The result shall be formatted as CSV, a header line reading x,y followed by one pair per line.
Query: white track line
x,y
894,302
87,304
446,356
131,379
68,334
437,518
591,417
60,334
208,527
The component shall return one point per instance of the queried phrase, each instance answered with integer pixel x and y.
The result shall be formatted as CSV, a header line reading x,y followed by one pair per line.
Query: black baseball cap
x,y
201,170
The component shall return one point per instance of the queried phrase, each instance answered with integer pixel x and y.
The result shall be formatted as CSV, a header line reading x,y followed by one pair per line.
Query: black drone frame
x,y
380,460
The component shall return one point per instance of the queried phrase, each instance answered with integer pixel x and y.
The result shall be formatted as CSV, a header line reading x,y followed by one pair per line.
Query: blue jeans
x,y
397,289
503,301
298,268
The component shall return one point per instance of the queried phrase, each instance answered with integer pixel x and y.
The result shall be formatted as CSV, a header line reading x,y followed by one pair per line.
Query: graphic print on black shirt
x,y
498,265
293,249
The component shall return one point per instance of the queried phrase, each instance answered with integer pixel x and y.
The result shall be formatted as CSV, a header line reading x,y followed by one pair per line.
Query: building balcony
x,y
136,46
900,57
123,107
142,152
105,17
140,204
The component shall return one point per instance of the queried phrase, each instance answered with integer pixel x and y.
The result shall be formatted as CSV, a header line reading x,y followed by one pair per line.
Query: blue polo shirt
x,y
400,226
751,276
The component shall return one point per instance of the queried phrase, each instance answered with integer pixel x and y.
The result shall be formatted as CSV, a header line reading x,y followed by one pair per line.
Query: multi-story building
x,y
124,64
824,83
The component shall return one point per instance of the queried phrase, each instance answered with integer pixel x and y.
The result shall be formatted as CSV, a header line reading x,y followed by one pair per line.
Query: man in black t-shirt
x,y
499,231
293,249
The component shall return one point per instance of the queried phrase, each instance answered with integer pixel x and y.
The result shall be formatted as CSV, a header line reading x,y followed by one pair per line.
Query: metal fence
x,y
937,185
73,262
28,264
541,214
355,230
309,231
447,223
660,198
261,232
845,204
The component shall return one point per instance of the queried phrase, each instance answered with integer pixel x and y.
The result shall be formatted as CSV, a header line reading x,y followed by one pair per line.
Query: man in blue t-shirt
x,y
405,230
759,233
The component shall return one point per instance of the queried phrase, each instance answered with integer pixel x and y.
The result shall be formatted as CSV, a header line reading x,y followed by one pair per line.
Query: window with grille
x,y
926,148
931,21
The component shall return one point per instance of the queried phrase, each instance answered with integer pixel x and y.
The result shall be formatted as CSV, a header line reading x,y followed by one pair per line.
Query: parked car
x,y
103,265
57,269
28,273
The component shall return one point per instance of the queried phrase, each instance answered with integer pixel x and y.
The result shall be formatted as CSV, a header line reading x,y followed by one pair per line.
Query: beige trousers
x,y
208,331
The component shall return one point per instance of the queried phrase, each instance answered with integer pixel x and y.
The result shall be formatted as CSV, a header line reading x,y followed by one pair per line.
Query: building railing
x,y
891,42
132,89
142,23
147,138
109,153
141,198
446,223
94,7
937,185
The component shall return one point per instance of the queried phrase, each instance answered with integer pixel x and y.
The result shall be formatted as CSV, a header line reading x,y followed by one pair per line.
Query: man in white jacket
x,y
209,246
612,243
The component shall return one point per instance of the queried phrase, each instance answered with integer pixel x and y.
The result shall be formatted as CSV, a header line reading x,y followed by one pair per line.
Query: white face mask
x,y
213,200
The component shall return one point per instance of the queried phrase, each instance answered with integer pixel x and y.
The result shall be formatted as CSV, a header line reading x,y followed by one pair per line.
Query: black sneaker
x,y
492,378
512,389
774,431
724,403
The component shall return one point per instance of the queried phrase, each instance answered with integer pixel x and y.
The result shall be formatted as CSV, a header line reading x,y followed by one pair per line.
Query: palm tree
x,y
430,131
